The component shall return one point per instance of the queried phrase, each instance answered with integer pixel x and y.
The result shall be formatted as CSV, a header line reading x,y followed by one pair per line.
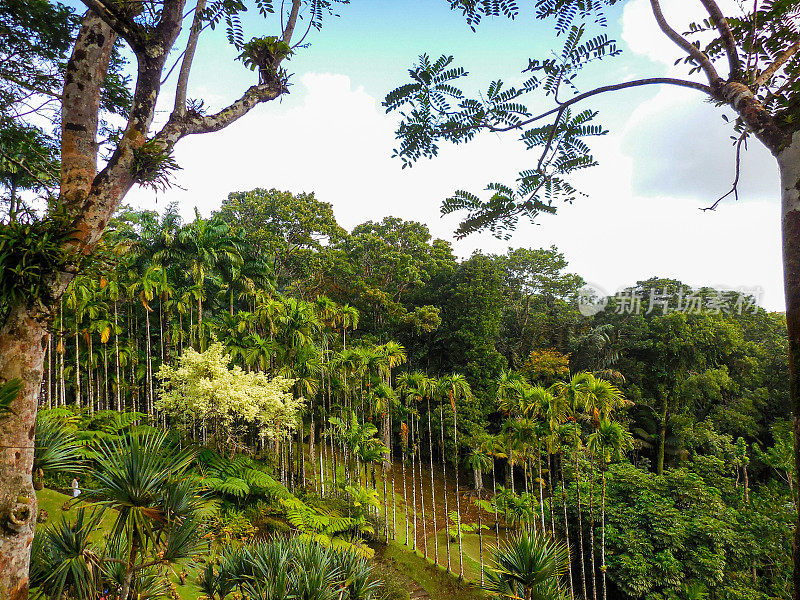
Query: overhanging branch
x,y
604,89
191,123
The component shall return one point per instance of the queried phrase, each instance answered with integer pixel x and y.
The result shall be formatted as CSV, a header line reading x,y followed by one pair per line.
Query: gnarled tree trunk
x,y
23,339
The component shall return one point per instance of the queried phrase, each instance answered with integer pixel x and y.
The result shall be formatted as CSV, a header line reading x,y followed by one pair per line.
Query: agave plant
x,y
528,566
289,568
155,503
64,563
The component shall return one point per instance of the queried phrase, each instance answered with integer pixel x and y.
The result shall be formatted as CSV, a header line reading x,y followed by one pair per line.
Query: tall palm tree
x,y
456,388
412,388
146,288
607,443
383,402
599,399
480,460
348,319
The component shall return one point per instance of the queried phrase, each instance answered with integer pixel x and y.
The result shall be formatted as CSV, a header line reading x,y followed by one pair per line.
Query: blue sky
x,y
668,153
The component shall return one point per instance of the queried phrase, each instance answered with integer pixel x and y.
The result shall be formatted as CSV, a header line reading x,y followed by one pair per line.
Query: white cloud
x,y
681,147
335,140
643,36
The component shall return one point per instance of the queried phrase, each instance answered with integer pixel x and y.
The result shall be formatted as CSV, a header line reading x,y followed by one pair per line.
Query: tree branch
x,y
188,58
728,40
24,167
779,62
287,33
192,123
123,26
608,88
684,44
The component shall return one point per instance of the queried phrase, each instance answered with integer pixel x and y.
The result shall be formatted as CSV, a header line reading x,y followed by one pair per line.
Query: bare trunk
x,y
414,481
444,484
405,495
422,495
77,365
23,338
433,488
385,503
580,522
662,438
116,353
789,163
494,502
591,533
603,534
480,542
458,500
541,491
49,371
566,524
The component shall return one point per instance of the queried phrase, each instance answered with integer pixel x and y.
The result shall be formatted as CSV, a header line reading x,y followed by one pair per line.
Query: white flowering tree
x,y
204,390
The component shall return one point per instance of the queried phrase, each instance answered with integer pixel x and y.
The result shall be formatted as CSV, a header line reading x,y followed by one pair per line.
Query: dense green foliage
x,y
651,436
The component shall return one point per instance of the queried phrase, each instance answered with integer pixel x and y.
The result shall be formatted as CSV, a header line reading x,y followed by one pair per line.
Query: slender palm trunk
x,y
414,482
89,377
566,523
312,446
591,535
551,490
433,488
62,386
422,495
458,499
149,369
511,469
385,502
394,508
494,501
116,353
77,364
541,486
405,496
480,542
580,523
444,484
49,370
603,533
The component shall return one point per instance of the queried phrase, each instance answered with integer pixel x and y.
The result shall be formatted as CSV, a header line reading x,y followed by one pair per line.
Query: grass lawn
x,y
55,502
470,542
435,580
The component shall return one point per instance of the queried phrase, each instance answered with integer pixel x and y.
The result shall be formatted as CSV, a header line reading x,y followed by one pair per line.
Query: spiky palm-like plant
x,y
155,502
64,563
529,566
290,568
